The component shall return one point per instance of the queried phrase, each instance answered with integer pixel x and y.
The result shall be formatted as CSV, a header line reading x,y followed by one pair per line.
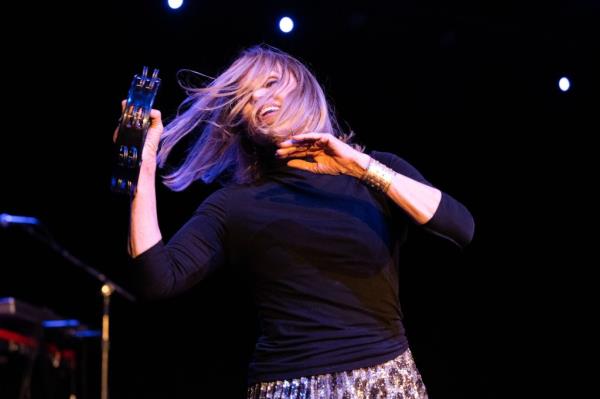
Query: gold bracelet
x,y
378,175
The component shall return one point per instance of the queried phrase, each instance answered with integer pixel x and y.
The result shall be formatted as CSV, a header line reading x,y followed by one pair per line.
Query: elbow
x,y
152,277
453,222
467,233
148,293
153,274
148,289
463,232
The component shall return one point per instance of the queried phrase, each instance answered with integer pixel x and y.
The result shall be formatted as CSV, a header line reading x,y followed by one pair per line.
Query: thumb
x,y
155,118
156,125
154,132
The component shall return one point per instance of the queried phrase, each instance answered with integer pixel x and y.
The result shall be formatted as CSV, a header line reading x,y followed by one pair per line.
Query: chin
x,y
263,136
268,133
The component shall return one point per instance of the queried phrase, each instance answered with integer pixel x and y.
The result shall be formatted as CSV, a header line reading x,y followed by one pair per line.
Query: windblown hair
x,y
226,142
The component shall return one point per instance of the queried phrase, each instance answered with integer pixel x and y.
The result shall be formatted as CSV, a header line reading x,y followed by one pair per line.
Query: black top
x,y
321,253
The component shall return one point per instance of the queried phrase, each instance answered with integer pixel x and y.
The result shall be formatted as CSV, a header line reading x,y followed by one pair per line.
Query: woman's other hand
x,y
152,137
331,155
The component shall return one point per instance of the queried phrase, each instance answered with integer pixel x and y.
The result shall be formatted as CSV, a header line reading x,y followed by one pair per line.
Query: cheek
x,y
287,92
247,110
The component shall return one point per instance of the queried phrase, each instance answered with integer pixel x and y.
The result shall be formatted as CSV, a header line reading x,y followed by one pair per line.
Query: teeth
x,y
270,109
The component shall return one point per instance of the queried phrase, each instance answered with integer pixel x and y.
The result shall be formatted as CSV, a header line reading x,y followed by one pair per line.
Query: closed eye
x,y
270,83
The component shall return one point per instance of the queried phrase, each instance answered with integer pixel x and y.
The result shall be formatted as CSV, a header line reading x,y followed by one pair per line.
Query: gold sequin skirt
x,y
394,379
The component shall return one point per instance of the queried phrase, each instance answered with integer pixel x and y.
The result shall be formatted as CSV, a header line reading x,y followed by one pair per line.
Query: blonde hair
x,y
226,143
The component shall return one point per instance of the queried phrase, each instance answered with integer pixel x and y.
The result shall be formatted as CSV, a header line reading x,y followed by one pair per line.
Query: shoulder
x,y
216,202
223,198
388,158
398,164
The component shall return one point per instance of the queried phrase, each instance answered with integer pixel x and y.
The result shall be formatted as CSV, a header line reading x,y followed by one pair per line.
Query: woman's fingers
x,y
293,143
289,150
116,133
309,136
154,132
297,152
306,138
308,166
318,139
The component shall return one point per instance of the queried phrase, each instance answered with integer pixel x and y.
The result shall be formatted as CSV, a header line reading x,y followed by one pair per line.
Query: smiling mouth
x,y
269,110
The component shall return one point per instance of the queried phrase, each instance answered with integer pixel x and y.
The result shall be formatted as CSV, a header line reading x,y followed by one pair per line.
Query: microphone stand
x,y
107,289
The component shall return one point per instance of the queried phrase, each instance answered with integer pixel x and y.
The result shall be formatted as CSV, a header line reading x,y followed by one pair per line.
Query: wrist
x,y
359,165
378,175
148,166
147,176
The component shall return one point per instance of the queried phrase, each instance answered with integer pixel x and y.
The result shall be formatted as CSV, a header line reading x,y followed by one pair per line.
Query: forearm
x,y
418,200
144,230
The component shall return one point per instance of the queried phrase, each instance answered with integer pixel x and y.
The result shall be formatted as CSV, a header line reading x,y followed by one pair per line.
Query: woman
x,y
315,222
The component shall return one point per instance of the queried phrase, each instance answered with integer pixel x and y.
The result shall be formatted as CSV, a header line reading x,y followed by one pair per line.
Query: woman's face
x,y
269,97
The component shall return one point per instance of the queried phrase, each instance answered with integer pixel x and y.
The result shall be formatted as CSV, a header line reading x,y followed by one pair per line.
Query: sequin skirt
x,y
394,379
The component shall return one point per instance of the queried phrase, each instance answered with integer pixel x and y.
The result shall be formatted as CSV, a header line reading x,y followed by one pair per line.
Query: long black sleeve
x,y
451,220
193,252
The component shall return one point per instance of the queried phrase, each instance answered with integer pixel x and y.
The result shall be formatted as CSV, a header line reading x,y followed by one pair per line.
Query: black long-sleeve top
x,y
321,253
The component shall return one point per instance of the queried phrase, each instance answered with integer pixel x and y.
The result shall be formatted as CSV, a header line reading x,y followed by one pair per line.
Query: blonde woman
x,y
315,222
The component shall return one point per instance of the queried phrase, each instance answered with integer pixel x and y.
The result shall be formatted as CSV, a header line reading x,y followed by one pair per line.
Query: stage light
x,y
87,333
564,84
175,4
60,323
286,24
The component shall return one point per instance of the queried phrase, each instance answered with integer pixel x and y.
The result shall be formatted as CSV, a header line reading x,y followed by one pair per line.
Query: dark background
x,y
465,92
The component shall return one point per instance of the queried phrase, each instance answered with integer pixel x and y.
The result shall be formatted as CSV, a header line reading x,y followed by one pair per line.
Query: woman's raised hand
x,y
331,155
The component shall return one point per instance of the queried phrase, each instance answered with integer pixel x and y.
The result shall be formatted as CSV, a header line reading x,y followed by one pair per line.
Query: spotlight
x,y
175,4
564,84
286,24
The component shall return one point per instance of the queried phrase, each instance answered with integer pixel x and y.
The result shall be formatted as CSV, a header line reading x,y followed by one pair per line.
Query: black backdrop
x,y
467,93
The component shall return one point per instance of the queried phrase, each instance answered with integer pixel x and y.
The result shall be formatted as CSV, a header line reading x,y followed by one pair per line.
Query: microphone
x,y
6,220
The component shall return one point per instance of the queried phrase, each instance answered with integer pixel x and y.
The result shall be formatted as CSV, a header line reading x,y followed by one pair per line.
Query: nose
x,y
259,93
